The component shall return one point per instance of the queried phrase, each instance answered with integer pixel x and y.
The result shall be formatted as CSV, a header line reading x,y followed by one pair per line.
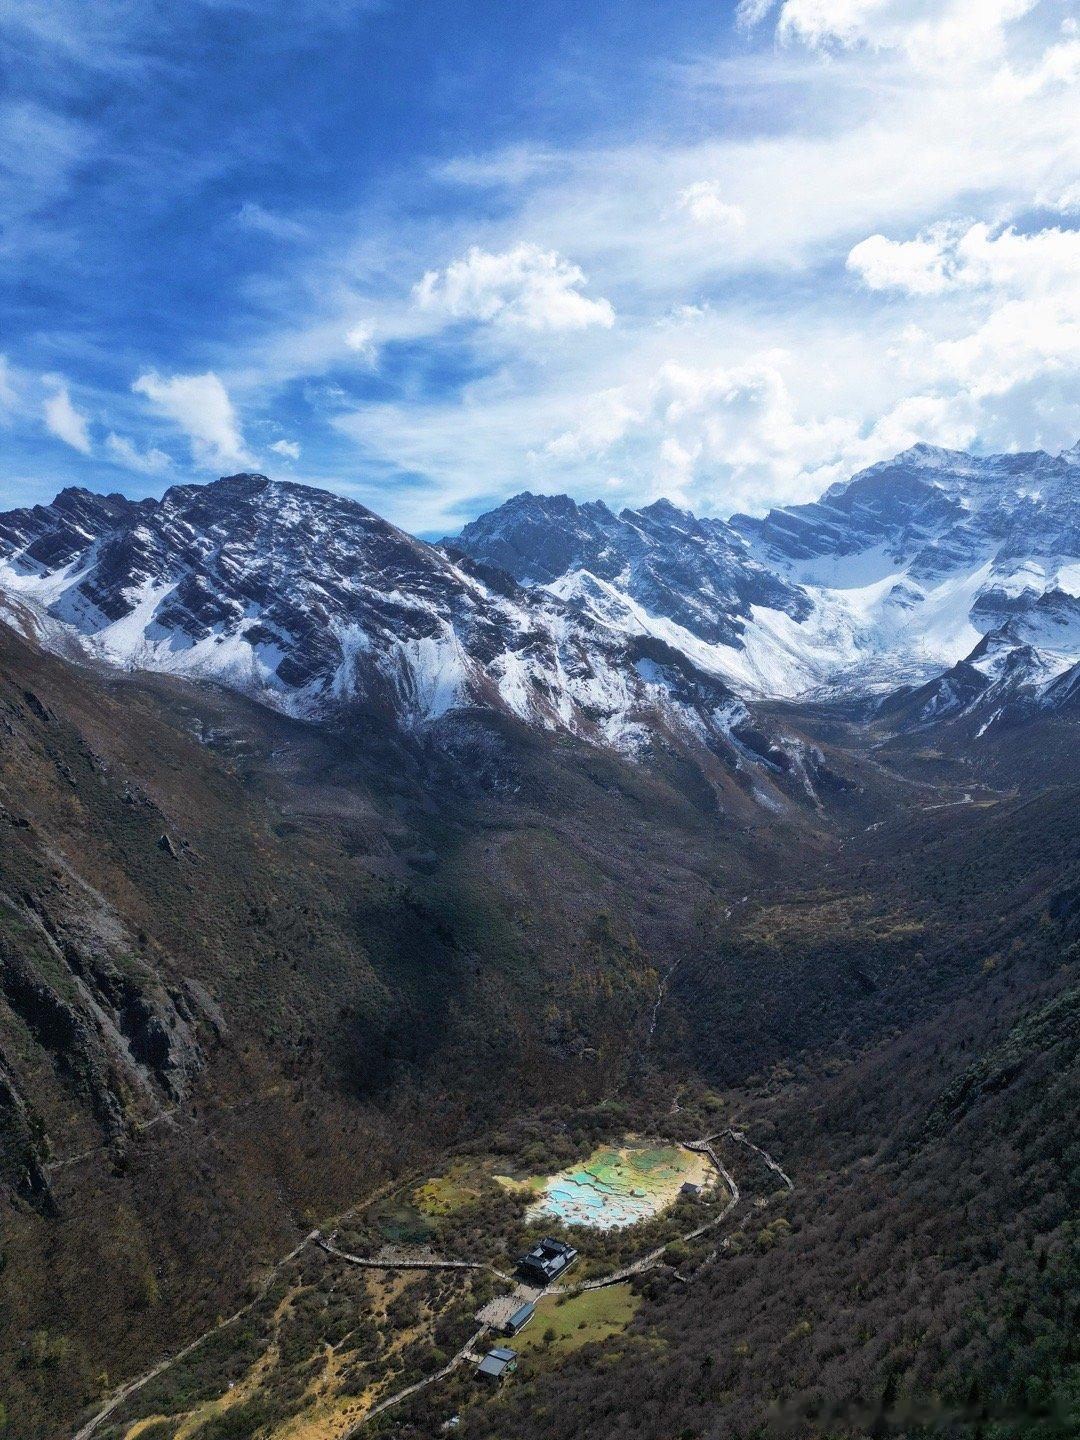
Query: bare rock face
x,y
700,573
21,1165
539,610
896,574
125,1043
934,509
315,605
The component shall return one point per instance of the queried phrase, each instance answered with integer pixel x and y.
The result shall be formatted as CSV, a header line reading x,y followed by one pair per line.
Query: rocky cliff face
x,y
931,510
1024,667
619,629
317,606
698,573
893,575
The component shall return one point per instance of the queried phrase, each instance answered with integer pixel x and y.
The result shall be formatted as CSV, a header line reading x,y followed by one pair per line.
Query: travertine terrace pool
x,y
620,1186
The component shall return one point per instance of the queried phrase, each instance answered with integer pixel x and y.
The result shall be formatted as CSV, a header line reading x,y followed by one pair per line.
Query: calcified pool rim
x,y
619,1186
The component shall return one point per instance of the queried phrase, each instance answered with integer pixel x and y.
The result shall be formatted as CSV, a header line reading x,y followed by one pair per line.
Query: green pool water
x,y
615,1188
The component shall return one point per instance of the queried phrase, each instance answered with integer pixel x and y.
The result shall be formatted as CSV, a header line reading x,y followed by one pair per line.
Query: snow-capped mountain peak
x,y
315,605
890,576
615,627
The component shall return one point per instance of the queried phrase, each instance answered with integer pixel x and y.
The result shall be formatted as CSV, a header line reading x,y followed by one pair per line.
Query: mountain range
x,y
334,862
940,584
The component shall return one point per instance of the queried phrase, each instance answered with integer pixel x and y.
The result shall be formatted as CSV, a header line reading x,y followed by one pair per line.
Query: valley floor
x,y
343,1391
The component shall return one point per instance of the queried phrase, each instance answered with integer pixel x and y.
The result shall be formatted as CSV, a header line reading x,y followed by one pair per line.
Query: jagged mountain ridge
x,y
892,576
1025,666
313,603
936,569
698,573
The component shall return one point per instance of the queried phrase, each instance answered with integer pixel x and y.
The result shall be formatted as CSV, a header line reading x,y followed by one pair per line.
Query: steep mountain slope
x,y
1026,666
250,966
697,573
921,1277
266,941
316,606
619,629
890,575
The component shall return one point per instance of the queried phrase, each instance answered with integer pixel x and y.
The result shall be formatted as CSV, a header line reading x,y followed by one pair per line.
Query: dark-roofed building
x,y
498,1363
520,1318
546,1261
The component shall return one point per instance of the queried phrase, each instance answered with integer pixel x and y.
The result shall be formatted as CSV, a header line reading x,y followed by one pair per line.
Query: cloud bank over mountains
x,y
729,259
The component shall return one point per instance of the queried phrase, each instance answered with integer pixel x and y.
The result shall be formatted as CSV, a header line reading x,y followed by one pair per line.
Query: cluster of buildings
x,y
544,1263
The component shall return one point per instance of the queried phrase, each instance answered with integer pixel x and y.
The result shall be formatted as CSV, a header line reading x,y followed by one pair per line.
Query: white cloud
x,y
1019,342
124,451
941,31
700,433
526,287
950,257
289,448
8,398
1059,65
915,266
705,205
253,216
1026,290
62,418
999,350
200,406
361,339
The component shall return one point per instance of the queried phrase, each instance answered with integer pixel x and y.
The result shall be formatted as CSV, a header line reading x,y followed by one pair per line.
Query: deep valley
x,y
351,888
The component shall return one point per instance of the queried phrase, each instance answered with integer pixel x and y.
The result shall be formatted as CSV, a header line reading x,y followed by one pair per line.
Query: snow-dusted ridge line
x,y
891,577
616,628
315,605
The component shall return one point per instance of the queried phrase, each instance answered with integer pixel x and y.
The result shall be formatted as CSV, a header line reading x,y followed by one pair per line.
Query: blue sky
x,y
433,254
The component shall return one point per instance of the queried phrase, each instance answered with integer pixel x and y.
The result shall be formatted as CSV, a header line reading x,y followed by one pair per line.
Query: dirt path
x,y
138,1127
409,1262
616,1277
740,1139
464,1353
133,1386
626,1272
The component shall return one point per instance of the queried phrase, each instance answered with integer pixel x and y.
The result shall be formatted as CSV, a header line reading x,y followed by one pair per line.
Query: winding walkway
x,y
637,1267
646,1262
463,1354
133,1386
407,1262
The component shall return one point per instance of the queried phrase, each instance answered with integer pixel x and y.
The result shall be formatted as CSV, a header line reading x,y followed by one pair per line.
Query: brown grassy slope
x,y
251,966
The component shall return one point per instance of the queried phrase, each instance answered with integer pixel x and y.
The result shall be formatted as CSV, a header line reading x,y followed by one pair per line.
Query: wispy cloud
x,y
729,265
62,419
253,216
8,398
947,31
201,407
125,452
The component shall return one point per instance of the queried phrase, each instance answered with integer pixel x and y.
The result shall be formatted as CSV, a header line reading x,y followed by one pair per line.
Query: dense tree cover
x,y
382,960
925,1279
